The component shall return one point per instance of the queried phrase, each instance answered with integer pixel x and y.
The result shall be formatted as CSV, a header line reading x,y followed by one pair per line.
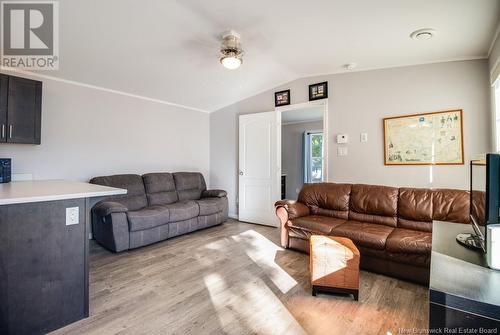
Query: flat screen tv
x,y
484,200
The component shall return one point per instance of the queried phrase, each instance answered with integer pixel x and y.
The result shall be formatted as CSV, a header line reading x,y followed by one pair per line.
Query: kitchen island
x,y
44,276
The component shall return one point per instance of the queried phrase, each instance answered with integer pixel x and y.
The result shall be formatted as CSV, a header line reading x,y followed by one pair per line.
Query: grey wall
x,y
291,154
358,102
88,132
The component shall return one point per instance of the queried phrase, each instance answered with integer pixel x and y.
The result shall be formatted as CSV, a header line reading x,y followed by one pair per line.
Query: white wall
x,y
88,132
292,164
358,102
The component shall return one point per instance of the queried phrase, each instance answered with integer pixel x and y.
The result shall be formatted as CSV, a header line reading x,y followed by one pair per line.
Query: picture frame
x,y
434,138
318,91
282,98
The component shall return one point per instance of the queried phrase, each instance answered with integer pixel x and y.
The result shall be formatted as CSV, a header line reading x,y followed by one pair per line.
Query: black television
x,y
484,200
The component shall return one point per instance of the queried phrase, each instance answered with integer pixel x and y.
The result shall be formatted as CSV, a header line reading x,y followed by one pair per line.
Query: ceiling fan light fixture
x,y
231,62
231,52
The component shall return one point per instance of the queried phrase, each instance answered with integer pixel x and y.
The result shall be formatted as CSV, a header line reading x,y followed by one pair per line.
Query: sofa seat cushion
x,y
147,218
370,235
183,210
210,206
409,241
422,260
316,224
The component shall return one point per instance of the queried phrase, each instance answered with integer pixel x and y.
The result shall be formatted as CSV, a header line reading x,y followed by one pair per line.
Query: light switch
x,y
72,216
363,137
341,151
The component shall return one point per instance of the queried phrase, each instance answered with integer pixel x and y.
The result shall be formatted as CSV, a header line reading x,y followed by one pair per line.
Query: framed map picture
x,y
424,139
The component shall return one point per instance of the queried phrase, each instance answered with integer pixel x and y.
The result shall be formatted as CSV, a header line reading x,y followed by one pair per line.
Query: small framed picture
x,y
282,98
318,91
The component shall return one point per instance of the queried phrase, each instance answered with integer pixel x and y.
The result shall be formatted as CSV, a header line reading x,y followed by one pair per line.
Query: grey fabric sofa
x,y
157,206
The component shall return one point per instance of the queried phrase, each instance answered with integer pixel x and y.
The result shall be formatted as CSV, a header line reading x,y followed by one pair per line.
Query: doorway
x,y
303,147
263,148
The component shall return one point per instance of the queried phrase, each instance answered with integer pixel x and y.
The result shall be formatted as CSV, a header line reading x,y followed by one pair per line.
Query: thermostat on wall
x,y
342,138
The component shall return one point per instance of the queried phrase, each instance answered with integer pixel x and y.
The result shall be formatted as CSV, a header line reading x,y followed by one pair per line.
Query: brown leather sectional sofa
x,y
392,227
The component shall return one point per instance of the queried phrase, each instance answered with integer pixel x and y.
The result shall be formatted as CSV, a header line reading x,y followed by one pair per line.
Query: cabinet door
x,y
24,111
4,92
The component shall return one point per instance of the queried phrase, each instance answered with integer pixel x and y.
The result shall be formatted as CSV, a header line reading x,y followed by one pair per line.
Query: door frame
x,y
322,103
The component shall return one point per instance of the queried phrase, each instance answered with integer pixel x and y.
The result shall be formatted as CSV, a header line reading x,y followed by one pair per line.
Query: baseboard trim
x,y
233,216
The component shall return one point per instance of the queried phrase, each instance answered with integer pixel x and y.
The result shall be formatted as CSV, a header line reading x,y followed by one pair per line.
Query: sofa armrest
x,y
106,208
287,210
213,194
111,231
294,209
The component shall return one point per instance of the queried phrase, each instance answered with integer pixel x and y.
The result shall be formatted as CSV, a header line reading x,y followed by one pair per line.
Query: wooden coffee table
x,y
334,265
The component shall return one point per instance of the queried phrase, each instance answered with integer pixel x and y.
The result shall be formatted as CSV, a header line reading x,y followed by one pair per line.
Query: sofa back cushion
x,y
451,205
160,188
189,185
136,195
326,199
374,204
415,209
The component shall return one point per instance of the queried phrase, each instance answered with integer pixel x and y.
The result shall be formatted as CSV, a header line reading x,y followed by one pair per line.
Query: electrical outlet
x,y
363,138
72,216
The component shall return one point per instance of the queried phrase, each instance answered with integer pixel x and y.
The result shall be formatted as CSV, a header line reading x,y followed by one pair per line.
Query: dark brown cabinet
x,y
20,110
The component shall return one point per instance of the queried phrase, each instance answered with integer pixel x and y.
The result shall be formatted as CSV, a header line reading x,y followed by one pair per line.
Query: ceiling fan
x,y
231,52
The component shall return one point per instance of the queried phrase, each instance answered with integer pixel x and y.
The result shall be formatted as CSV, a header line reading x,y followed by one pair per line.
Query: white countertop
x,y
18,192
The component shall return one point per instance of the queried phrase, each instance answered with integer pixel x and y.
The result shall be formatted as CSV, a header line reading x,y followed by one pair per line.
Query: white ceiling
x,y
302,115
168,50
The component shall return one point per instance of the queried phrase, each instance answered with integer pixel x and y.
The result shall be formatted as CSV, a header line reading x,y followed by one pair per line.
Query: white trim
x,y
299,122
492,72
375,68
314,131
233,216
301,105
497,31
99,88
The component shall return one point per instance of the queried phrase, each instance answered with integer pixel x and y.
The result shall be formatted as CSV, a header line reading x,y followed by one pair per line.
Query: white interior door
x,y
259,167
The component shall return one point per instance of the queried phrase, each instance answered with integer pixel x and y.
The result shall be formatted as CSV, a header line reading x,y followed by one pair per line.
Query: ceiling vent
x,y
230,51
423,34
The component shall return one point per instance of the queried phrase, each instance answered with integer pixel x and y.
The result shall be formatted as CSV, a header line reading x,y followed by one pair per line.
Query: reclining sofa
x,y
392,227
157,206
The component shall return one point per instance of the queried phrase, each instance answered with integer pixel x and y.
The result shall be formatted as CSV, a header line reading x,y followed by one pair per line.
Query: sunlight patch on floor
x,y
237,307
218,245
263,253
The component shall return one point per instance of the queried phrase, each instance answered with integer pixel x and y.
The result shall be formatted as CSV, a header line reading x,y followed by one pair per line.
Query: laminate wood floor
x,y
235,279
